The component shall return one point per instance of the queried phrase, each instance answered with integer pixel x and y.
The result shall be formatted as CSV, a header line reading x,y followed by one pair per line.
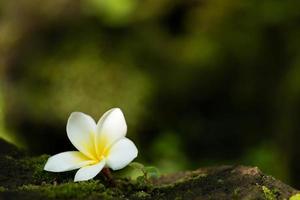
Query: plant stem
x,y
107,173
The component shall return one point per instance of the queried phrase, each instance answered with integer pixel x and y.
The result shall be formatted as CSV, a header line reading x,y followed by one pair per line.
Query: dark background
x,y
200,82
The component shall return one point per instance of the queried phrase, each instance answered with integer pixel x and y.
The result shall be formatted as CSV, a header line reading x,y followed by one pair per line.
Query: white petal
x,y
110,128
89,172
121,154
81,130
67,161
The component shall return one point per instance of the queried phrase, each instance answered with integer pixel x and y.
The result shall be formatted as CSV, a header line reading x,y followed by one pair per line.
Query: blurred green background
x,y
201,82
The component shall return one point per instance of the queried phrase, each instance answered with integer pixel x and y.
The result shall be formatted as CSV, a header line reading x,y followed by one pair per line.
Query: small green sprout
x,y
149,172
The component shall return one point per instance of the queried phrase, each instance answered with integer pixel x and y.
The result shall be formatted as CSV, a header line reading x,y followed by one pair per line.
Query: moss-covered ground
x,y
23,177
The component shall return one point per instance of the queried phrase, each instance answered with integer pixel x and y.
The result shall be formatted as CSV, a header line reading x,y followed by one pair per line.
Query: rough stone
x,y
22,177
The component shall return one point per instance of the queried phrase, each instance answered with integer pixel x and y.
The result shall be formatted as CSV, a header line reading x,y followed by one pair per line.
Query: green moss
x,y
39,184
25,178
36,164
2,189
141,195
295,197
94,189
66,190
39,175
269,195
178,198
235,194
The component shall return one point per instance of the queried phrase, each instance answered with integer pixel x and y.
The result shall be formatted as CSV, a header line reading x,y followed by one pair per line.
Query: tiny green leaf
x,y
137,165
141,179
152,172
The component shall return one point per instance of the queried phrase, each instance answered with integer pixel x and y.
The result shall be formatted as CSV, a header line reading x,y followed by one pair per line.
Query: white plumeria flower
x,y
99,145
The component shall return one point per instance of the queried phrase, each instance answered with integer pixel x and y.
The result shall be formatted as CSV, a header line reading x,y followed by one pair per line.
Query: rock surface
x,y
23,177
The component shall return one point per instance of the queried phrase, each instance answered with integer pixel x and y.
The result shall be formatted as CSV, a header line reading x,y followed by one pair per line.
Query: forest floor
x,y
23,177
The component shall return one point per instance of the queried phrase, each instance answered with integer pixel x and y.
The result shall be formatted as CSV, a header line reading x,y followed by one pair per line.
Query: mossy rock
x,y
23,177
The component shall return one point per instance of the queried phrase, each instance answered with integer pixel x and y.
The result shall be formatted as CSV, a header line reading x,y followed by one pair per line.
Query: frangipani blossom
x,y
99,145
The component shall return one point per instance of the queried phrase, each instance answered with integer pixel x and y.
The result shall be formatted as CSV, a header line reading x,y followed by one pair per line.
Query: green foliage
x,y
151,172
136,171
2,189
148,172
137,165
4,133
115,12
295,197
168,151
269,195
265,155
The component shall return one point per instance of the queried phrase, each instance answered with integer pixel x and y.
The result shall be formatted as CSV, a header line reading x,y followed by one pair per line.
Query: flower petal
x,y
67,161
81,130
89,172
121,154
110,128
